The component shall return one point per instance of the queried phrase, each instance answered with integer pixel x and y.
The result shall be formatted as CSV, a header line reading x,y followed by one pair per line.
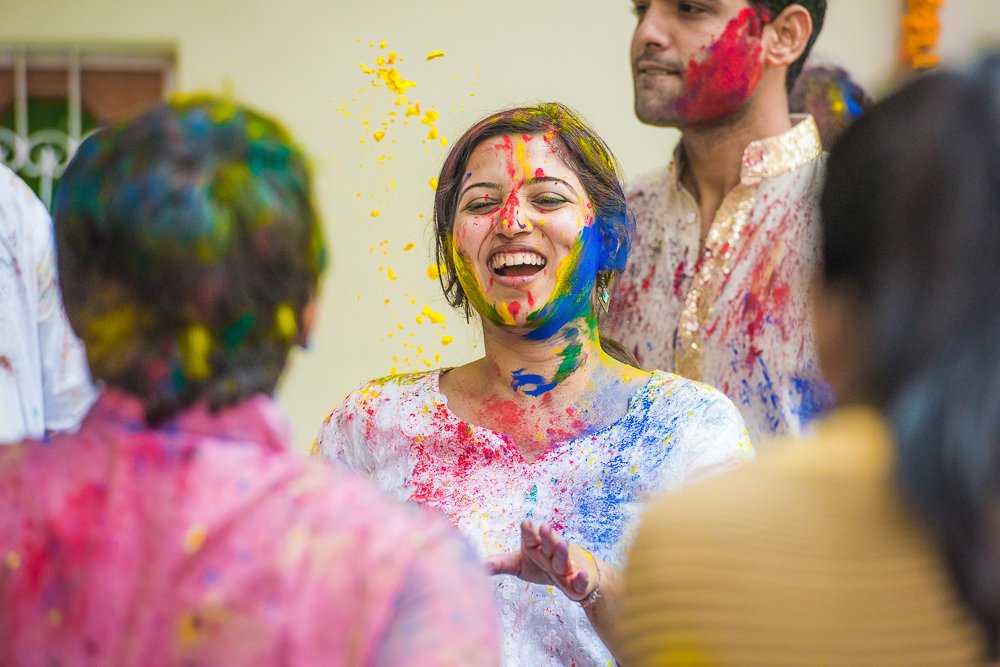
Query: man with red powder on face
x,y
717,286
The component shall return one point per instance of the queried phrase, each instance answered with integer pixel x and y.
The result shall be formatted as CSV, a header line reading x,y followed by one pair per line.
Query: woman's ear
x,y
787,36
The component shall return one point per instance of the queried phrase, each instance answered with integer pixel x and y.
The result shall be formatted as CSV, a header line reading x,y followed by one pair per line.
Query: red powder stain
x,y
79,517
531,301
5,364
509,211
648,280
514,307
721,81
507,148
539,173
491,281
527,138
679,278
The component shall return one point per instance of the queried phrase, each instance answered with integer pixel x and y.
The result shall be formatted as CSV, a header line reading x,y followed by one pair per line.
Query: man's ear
x,y
787,35
308,318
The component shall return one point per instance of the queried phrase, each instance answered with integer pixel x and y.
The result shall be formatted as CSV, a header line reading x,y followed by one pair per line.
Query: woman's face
x,y
524,244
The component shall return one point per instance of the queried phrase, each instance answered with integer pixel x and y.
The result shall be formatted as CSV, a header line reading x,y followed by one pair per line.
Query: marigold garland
x,y
921,29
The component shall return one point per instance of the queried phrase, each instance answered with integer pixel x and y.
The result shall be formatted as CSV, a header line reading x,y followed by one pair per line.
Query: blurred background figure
x,y
44,382
832,96
177,526
877,541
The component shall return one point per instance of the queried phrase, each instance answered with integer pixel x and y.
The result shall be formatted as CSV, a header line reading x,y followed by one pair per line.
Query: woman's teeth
x,y
512,259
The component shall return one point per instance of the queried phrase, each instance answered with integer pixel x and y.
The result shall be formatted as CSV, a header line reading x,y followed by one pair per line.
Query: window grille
x,y
50,100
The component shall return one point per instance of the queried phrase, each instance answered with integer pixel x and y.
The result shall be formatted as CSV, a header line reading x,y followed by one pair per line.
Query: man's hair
x,y
188,248
817,11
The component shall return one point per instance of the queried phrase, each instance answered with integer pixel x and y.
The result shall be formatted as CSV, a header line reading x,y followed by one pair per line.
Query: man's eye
x,y
639,9
691,8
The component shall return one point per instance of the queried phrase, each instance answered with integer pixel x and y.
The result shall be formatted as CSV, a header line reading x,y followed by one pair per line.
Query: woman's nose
x,y
511,221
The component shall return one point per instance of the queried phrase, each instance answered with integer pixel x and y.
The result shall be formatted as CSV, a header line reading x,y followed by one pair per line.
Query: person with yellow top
x,y
876,541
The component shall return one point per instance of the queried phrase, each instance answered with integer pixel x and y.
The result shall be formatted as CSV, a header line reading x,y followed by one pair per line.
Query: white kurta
x,y
735,313
44,381
400,432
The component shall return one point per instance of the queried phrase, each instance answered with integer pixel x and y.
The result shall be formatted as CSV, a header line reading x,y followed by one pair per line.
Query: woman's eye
x,y
481,205
639,9
550,201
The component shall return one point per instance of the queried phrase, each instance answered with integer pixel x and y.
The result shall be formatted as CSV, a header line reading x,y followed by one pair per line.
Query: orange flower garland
x,y
921,28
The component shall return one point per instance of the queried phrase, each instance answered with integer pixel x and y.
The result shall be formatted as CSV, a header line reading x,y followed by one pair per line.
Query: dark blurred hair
x,y
585,153
832,97
912,224
817,11
188,247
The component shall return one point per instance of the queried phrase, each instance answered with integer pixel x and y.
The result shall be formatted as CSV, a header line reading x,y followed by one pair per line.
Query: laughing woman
x,y
543,451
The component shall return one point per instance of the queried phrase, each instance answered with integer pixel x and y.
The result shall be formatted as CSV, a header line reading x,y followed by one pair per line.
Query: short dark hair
x,y
817,11
832,97
911,214
582,149
188,248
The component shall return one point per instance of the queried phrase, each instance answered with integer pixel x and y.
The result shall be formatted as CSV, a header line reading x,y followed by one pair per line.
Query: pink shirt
x,y
206,541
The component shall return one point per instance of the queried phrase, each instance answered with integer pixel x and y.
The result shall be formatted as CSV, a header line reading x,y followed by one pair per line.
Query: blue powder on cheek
x,y
571,299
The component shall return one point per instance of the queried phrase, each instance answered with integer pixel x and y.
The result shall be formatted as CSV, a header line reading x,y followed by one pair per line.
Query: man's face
x,y
695,62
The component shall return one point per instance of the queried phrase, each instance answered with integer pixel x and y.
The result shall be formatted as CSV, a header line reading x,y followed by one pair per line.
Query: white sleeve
x,y
342,438
66,385
717,440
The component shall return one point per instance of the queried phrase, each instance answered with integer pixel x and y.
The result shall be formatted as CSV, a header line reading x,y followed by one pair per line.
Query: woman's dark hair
x,y
188,248
585,153
911,213
817,11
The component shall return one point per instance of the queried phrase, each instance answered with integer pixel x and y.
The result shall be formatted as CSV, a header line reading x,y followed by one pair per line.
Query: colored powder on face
x,y
514,308
474,291
571,296
719,83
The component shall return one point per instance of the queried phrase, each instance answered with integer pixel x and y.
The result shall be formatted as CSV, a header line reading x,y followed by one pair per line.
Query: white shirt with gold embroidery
x,y
734,314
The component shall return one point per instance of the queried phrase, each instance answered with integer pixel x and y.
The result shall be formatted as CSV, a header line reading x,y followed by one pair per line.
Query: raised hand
x,y
546,558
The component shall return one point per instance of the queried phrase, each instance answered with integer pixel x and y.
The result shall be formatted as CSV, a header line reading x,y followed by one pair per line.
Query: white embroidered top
x,y
734,313
400,432
44,381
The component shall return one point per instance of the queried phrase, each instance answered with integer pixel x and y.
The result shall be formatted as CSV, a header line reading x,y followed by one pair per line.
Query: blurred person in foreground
x,y
44,382
877,540
177,526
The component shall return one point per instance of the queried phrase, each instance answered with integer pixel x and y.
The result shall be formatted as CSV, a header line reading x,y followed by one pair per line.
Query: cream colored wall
x,y
299,60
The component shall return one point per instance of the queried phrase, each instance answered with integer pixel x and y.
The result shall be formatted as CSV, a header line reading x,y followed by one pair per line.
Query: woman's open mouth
x,y
517,264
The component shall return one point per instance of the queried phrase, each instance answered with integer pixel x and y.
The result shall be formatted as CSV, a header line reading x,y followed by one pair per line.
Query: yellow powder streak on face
x,y
522,159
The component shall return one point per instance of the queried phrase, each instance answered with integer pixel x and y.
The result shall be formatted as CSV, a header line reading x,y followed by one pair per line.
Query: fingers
x,y
530,538
580,583
549,540
509,563
561,566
